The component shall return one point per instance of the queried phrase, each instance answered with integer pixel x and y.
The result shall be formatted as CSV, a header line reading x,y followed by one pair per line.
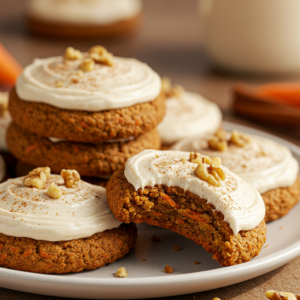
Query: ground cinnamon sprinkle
x,y
168,269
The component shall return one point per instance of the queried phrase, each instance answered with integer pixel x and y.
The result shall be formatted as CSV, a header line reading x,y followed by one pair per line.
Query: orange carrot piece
x,y
30,148
44,254
10,69
158,214
13,249
1,246
84,125
192,215
288,93
168,200
27,253
48,266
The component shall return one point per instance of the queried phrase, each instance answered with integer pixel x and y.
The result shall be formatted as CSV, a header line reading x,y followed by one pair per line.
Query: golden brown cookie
x,y
65,30
173,208
89,253
87,127
280,201
88,159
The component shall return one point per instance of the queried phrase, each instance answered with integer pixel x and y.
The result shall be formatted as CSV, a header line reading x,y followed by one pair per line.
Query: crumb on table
x,y
176,248
197,262
168,269
144,259
122,273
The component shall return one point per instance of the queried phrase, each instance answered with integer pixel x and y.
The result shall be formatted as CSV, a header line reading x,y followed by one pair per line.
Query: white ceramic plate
x,y
146,279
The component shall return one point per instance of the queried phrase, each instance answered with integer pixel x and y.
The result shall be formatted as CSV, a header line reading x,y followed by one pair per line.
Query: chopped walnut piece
x,y
273,295
59,84
156,239
169,90
122,273
53,191
176,248
37,177
72,54
218,144
100,55
168,269
195,158
239,139
80,74
87,65
71,177
213,174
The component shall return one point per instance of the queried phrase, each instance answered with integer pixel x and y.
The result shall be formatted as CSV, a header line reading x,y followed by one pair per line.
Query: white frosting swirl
x,y
187,116
29,212
263,163
98,12
126,83
239,202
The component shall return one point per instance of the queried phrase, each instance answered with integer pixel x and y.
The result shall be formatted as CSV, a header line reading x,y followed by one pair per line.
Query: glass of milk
x,y
252,36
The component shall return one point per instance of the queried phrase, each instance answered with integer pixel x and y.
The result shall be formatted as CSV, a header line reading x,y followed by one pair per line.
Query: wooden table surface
x,y
170,42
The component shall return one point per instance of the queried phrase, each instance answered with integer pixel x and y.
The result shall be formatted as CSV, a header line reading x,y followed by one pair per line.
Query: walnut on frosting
x,y
87,65
223,138
100,55
213,174
37,177
273,295
53,191
71,177
72,54
169,90
239,139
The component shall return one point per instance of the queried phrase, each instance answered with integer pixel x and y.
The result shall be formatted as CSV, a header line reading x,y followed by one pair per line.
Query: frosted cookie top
x,y
261,162
5,120
98,12
188,115
27,211
92,81
240,202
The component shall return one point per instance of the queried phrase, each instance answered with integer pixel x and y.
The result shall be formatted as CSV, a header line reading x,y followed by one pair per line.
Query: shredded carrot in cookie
x,y
84,125
192,215
27,253
76,149
168,200
30,148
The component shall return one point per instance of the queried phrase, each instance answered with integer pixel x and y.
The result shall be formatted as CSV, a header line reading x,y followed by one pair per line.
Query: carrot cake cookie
x,y
194,196
58,224
92,110
188,115
267,165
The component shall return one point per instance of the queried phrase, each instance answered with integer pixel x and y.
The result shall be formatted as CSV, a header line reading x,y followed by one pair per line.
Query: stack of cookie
x,y
85,111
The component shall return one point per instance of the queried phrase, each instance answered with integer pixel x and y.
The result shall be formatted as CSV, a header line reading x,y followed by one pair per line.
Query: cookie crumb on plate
x,y
176,248
168,269
155,238
122,273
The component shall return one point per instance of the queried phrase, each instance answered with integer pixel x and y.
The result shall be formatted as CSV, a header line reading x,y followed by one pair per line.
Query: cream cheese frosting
x,y
241,204
29,212
188,115
98,12
55,82
263,163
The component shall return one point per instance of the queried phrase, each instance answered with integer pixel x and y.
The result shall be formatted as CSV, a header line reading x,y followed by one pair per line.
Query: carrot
x,y
84,125
13,249
48,266
44,254
10,69
288,93
27,253
192,215
76,149
158,214
30,148
168,200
